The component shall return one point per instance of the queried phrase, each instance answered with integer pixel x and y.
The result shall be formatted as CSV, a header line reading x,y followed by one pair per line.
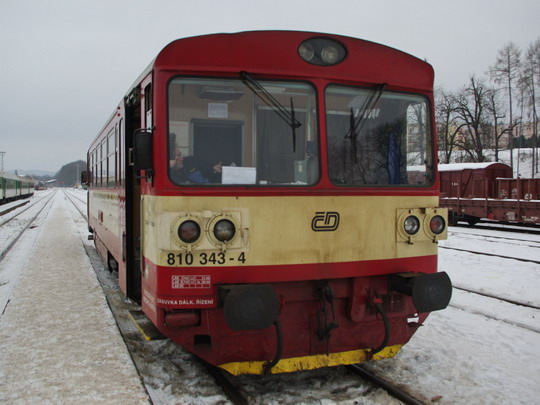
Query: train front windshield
x,y
242,132
378,138
249,132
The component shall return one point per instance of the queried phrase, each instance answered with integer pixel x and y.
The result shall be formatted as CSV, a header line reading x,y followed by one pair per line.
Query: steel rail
x,y
490,254
225,384
389,387
495,238
6,250
517,228
70,197
27,208
508,300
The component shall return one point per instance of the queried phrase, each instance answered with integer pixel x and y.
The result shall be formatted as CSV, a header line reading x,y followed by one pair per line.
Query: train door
x,y
132,237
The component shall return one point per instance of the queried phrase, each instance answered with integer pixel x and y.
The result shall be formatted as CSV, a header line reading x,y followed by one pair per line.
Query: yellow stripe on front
x,y
310,362
279,230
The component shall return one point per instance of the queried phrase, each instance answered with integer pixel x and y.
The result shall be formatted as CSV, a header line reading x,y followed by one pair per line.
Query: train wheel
x,y
472,220
112,264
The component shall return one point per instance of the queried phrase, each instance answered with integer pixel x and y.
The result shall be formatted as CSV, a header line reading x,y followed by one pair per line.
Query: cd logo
x,y
325,221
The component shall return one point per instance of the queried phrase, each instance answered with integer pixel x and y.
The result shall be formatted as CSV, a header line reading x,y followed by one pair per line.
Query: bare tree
x,y
448,126
506,71
495,109
471,112
530,77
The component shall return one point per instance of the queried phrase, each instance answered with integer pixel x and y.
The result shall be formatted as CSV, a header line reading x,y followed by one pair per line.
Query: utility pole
x,y
2,156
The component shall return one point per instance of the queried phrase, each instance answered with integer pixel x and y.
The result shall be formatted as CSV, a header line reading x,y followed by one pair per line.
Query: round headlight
x,y
224,230
437,224
411,225
330,55
306,51
189,231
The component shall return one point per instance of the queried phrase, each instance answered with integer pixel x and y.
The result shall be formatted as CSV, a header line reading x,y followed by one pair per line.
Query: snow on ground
x,y
479,350
58,340
13,263
466,353
468,358
506,278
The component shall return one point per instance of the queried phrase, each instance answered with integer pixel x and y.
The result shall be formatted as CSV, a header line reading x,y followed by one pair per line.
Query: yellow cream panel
x,y
108,204
289,230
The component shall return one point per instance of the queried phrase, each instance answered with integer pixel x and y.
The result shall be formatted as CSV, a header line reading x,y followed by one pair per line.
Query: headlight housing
x,y
189,231
411,225
224,230
322,51
437,224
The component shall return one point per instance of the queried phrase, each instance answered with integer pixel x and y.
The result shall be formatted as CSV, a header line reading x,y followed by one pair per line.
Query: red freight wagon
x,y
471,180
524,189
472,191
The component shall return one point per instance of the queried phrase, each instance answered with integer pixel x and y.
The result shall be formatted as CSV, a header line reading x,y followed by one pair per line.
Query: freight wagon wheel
x,y
452,218
472,220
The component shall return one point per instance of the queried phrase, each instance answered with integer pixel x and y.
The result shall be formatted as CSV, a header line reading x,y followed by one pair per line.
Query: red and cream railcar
x,y
272,199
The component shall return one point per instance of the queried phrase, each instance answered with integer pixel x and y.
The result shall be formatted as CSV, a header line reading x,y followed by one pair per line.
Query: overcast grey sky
x,y
65,64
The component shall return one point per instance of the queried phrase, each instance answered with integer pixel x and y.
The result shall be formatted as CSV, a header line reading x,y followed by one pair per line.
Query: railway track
x,y
514,241
16,212
11,235
522,315
229,389
9,243
497,238
475,252
72,197
508,300
8,210
522,228
399,392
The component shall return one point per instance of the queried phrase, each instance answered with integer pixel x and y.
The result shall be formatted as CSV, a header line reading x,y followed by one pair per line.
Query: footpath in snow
x,y
58,340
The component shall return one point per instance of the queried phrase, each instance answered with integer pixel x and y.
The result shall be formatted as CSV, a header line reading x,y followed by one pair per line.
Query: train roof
x,y
277,51
236,50
367,61
456,167
12,176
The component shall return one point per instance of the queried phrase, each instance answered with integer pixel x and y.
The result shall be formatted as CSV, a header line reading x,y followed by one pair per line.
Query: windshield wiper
x,y
352,135
287,116
356,125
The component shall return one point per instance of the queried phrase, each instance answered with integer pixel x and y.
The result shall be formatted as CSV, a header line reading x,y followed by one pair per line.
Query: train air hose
x,y
377,302
268,366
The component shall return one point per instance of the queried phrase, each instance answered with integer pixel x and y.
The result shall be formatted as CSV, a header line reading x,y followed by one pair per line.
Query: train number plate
x,y
205,259
189,281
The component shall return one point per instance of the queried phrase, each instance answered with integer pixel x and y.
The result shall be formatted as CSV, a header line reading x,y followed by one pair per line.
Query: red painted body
x,y
194,316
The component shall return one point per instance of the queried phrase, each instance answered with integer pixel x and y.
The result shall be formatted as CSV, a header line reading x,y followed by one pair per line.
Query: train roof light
x,y
322,51
330,55
306,51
